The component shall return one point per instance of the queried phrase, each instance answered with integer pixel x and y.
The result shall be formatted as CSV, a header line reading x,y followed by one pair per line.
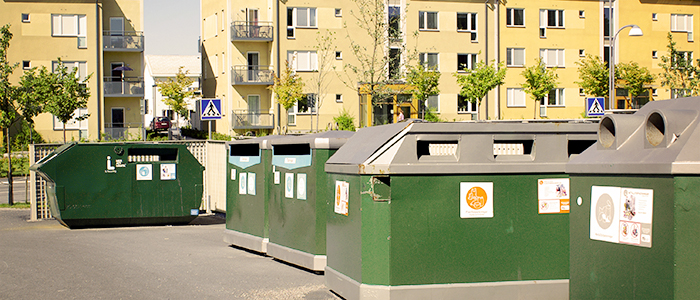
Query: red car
x,y
160,124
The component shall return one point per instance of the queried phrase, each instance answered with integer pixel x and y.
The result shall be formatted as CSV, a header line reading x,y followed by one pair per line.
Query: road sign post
x,y
211,110
595,107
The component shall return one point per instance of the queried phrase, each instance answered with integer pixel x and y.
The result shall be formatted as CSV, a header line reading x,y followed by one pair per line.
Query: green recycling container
x,y
474,210
247,193
300,194
635,221
122,184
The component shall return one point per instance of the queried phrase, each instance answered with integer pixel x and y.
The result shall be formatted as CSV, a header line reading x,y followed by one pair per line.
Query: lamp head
x,y
636,31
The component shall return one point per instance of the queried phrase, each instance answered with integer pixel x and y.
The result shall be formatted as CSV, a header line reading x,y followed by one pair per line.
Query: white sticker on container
x,y
251,183
290,160
242,183
342,193
476,200
605,207
289,185
301,186
233,174
277,177
622,215
553,196
168,172
244,159
144,172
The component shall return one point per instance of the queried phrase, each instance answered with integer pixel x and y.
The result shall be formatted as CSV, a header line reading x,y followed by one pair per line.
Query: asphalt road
x,y
18,189
44,260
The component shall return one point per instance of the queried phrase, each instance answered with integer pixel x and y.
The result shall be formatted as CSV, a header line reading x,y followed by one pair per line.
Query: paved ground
x,y
19,190
44,260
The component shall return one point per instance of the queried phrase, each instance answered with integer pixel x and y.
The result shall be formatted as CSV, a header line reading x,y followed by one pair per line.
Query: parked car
x,y
160,124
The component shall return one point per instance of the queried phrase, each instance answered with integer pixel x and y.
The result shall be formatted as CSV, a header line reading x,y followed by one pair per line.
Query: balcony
x,y
252,75
245,119
251,31
123,41
123,87
122,131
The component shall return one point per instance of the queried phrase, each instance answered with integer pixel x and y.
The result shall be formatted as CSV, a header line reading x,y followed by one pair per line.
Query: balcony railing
x,y
130,41
246,119
122,131
123,87
251,31
251,75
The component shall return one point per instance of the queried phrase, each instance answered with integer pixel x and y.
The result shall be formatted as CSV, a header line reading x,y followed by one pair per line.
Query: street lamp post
x,y
635,31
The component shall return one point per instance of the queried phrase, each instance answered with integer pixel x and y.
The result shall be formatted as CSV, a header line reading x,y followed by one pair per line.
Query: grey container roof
x,y
323,140
462,148
264,142
660,138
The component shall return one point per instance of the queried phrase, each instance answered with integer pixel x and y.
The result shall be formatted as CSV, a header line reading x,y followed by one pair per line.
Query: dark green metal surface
x,y
667,270
249,213
89,187
301,224
416,235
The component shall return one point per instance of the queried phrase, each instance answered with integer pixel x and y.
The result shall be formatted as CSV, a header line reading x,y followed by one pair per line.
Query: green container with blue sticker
x,y
122,184
300,196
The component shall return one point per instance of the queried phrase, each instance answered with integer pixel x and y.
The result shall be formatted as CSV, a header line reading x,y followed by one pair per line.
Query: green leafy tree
x,y
288,88
477,82
594,76
69,93
8,113
680,75
539,81
176,91
636,79
423,81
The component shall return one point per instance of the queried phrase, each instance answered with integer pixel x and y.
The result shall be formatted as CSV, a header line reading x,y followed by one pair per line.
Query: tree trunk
x,y
10,195
64,132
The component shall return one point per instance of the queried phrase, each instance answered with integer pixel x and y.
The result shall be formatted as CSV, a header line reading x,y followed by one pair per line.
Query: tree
x,y
423,81
680,76
69,93
594,75
539,81
175,92
636,79
8,114
325,54
476,83
288,88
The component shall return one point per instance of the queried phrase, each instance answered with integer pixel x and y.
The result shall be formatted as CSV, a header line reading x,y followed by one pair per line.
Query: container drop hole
x,y
152,154
245,150
577,147
512,147
655,129
291,149
436,148
606,132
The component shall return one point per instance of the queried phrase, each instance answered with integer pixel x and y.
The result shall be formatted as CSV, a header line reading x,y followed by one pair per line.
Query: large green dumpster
x,y
247,193
300,195
453,211
122,184
636,222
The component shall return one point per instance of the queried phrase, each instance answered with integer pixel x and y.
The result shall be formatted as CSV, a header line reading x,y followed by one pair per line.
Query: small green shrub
x,y
345,121
431,116
20,166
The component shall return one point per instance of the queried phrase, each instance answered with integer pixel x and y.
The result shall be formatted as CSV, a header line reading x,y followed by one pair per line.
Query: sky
x,y
171,27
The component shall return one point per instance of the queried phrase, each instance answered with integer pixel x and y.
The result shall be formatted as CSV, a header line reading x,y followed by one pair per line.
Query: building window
x,y
80,68
552,57
300,17
465,106
25,18
26,65
290,23
515,57
292,116
430,60
654,54
466,22
654,17
581,92
555,98
433,102
466,61
515,17
338,55
338,12
339,98
394,18
515,97
688,55
582,52
428,20
394,63
681,23
582,14
307,105
68,25
303,60
654,92
552,18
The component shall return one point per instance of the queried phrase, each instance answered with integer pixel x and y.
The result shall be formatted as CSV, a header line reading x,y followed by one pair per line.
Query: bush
x,y
21,140
20,166
431,116
345,121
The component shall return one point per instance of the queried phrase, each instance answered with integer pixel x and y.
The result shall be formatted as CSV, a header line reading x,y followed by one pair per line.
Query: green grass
x,y
17,205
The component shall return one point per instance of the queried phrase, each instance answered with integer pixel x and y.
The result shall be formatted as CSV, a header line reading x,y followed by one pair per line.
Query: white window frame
x,y
425,16
582,14
559,58
510,57
292,116
311,65
559,18
582,52
312,109
436,100
338,12
424,58
310,16
516,94
511,13
654,54
27,19
338,98
472,25
74,124
60,21
559,100
82,67
472,59
654,17
471,108
681,23
28,62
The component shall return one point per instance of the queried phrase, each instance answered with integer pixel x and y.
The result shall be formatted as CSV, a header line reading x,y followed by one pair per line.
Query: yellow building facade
x,y
245,42
101,39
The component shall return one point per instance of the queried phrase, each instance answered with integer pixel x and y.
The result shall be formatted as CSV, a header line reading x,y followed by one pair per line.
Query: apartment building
x,y
161,68
102,39
245,42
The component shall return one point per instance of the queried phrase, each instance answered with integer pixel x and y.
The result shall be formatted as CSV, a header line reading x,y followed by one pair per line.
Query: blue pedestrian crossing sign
x,y
211,109
595,107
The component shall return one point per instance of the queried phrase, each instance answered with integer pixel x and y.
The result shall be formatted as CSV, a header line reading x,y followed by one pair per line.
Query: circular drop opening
x,y
655,129
606,132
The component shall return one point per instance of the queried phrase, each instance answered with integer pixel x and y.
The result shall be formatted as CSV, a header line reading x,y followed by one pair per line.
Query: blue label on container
x,y
244,161
291,162
194,212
